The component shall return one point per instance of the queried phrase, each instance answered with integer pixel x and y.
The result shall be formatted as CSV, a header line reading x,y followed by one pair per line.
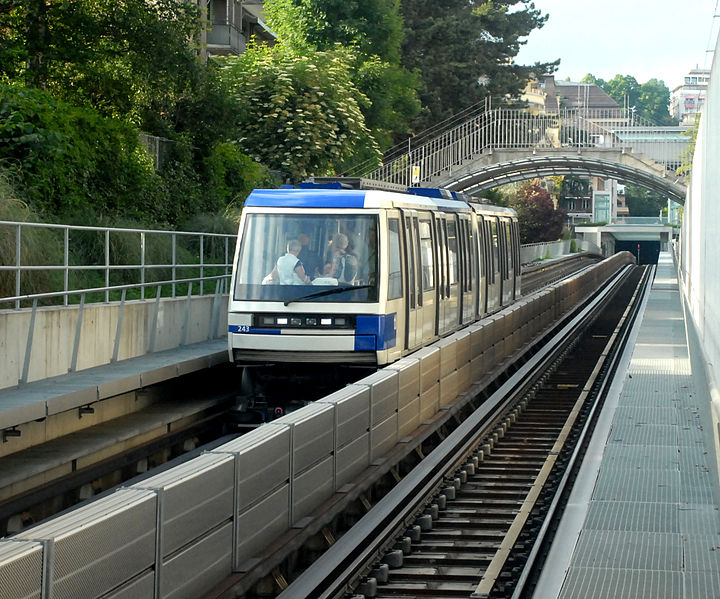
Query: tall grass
x,y
37,246
45,247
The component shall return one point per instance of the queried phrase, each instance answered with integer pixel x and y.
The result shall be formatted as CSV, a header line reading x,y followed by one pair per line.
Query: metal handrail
x,y
37,296
508,128
106,266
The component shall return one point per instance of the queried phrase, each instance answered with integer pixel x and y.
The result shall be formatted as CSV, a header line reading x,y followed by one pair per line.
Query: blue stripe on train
x,y
375,332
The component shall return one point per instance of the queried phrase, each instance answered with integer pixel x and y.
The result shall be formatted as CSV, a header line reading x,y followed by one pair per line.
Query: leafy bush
x,y
69,160
299,113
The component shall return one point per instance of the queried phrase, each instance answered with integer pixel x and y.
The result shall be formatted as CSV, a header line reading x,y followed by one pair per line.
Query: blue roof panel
x,y
306,198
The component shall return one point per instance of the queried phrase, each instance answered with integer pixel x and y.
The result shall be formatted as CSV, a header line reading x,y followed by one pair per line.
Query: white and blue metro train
x,y
325,274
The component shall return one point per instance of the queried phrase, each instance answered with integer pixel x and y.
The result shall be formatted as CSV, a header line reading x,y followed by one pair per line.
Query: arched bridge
x,y
499,146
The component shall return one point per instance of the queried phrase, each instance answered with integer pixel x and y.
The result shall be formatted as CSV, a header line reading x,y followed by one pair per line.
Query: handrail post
x,y
66,263
107,265
174,261
18,263
202,262
142,264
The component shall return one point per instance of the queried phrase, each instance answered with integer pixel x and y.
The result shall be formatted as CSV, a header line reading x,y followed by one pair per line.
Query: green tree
x,y
463,51
298,113
537,217
654,102
649,100
69,160
132,59
642,201
373,30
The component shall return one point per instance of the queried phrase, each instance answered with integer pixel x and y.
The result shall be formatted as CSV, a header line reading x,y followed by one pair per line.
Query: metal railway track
x,y
471,518
538,276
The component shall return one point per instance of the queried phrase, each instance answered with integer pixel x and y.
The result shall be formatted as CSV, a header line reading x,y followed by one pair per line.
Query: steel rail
x,y
612,354
338,569
498,563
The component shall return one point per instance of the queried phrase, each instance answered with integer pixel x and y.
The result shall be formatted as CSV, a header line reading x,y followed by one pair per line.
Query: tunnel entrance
x,y
645,252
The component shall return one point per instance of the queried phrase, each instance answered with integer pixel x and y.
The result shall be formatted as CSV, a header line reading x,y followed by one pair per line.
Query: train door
x,y
395,296
507,258
441,256
494,284
413,297
453,313
467,257
480,265
426,252
516,258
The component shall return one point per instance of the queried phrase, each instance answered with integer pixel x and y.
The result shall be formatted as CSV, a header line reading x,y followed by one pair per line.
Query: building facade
x,y
687,100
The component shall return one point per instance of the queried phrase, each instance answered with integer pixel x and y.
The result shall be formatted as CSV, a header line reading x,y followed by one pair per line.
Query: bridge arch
x,y
491,147
483,178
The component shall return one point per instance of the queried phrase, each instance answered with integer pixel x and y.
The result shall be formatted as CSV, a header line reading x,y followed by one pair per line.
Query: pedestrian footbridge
x,y
492,147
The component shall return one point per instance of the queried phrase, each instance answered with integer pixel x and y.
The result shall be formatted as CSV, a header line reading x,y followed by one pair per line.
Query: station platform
x,y
40,399
642,520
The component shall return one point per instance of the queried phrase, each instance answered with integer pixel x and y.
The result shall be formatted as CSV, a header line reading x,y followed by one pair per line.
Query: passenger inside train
x,y
325,252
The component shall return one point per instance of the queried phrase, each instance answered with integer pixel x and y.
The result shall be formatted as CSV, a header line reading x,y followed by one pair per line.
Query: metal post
x,y
174,262
202,262
142,264
66,263
18,263
107,265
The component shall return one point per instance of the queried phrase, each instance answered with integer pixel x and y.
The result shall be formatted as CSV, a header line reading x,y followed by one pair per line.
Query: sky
x,y
662,39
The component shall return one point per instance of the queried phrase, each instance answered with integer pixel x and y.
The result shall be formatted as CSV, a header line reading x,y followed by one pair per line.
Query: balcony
x,y
226,38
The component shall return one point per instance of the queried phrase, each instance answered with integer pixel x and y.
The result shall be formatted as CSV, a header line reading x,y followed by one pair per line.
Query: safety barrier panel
x,y
179,533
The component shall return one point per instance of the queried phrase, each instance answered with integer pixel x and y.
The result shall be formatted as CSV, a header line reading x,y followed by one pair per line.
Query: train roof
x,y
359,199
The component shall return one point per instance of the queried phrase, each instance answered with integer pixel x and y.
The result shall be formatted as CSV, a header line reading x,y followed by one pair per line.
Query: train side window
x,y
418,262
510,246
452,244
488,252
470,250
495,246
441,257
502,249
394,270
426,255
410,262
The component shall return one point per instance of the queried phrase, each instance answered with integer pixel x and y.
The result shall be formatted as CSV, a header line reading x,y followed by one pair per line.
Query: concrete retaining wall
x,y
554,249
699,254
55,330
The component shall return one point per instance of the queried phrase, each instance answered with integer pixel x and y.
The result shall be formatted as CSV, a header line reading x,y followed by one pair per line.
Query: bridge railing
x,y
503,128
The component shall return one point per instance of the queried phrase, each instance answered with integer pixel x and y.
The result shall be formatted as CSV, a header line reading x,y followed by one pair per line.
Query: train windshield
x,y
287,256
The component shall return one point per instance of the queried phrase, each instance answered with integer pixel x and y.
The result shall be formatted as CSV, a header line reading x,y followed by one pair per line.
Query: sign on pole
x,y
415,174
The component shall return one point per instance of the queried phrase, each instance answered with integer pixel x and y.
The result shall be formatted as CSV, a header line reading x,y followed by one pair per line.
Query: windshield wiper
x,y
338,289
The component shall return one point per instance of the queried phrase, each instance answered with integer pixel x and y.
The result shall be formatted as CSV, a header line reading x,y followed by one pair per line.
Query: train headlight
x,y
281,320
326,322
